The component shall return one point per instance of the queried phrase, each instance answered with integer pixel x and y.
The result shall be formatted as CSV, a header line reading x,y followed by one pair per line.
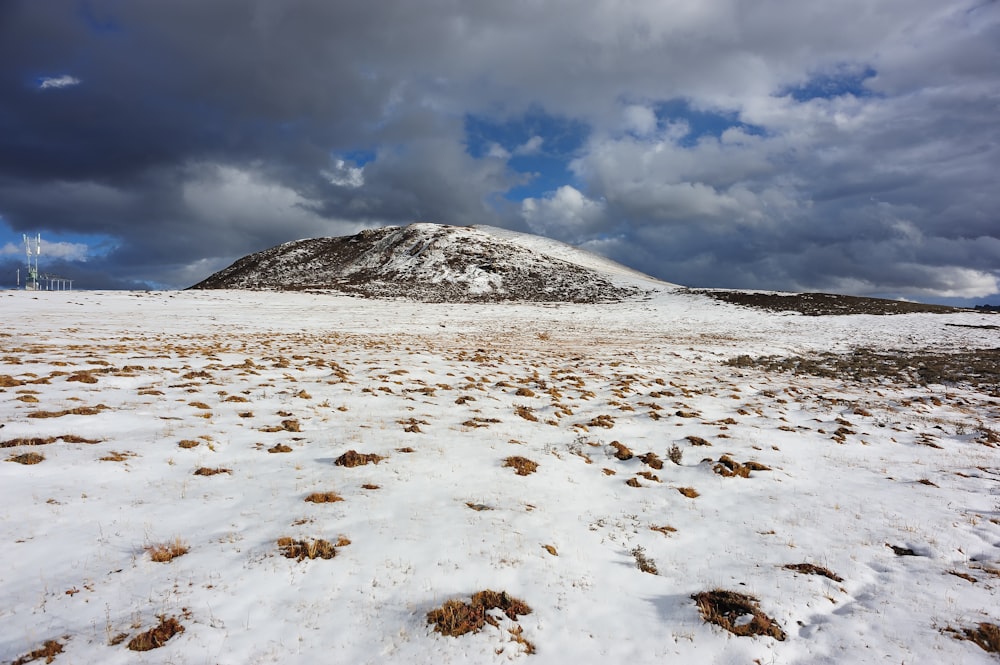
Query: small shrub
x,y
675,455
521,465
165,552
156,637
353,458
729,609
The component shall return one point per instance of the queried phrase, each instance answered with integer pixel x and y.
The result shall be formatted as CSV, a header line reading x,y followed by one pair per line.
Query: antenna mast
x,y
32,248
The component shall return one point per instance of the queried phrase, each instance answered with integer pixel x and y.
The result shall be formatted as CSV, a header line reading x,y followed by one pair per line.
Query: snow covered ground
x,y
892,488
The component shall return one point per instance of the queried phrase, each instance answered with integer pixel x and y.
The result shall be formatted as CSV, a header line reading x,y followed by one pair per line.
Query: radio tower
x,y
32,247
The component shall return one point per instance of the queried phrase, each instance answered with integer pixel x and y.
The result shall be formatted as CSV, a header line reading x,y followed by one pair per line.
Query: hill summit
x,y
438,263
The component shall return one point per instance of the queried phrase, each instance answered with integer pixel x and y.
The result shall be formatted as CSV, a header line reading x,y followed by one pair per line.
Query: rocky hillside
x,y
437,263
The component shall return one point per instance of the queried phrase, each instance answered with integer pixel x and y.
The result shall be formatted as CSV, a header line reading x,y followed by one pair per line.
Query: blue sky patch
x,y
844,81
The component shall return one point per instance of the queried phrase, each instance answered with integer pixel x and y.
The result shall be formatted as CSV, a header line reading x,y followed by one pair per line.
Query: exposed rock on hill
x,y
437,263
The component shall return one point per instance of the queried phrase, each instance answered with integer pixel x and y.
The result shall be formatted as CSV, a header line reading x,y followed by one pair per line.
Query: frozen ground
x,y
893,488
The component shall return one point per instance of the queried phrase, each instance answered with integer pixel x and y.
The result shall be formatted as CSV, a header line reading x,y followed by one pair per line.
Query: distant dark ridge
x,y
824,304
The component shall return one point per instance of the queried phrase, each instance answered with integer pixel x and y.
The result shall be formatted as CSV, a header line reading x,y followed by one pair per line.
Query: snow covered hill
x,y
438,263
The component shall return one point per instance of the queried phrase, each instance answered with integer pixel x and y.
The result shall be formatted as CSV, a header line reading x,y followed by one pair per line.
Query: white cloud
x,y
530,147
64,81
498,151
641,120
66,251
344,175
565,214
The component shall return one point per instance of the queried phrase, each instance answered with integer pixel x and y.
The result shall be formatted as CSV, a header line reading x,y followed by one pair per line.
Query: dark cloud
x,y
848,145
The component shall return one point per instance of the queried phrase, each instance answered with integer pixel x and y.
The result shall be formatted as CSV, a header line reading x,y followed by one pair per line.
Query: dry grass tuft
x,y
526,412
78,411
7,381
189,443
633,482
82,377
371,486
200,405
697,441
306,549
727,467
666,529
27,458
456,618
812,569
730,610
157,636
478,507
49,650
353,458
689,492
521,465
551,550
117,456
236,398
652,460
205,471
525,392
985,635
622,451
324,497
27,399
166,552
605,421
279,448
643,562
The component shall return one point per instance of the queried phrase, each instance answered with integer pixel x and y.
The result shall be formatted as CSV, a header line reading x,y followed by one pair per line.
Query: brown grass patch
x,y
727,467
117,456
478,507
649,475
964,576
526,412
306,549
324,497
729,609
236,398
7,381
27,458
200,405
206,471
633,482
78,411
652,460
608,472
477,422
189,443
27,399
689,492
353,458
522,465
456,618
605,421
551,550
157,636
666,529
371,486
697,441
49,650
279,448
166,552
622,451
985,635
813,569
525,392
82,377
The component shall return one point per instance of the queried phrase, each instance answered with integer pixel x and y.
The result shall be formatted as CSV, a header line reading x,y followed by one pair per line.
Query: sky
x,y
849,147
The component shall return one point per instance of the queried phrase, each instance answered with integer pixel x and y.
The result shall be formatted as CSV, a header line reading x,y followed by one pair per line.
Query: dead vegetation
x,y
168,551
526,412
823,304
27,458
279,448
189,443
77,411
643,562
49,650
727,467
207,471
157,636
689,492
323,497
813,569
455,618
622,451
731,610
306,549
353,458
985,635
522,465
117,456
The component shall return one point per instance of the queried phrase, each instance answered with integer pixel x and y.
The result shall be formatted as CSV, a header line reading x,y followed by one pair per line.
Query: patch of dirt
x,y
823,304
738,613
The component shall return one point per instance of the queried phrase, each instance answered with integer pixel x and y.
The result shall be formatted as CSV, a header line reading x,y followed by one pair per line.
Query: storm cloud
x,y
846,146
